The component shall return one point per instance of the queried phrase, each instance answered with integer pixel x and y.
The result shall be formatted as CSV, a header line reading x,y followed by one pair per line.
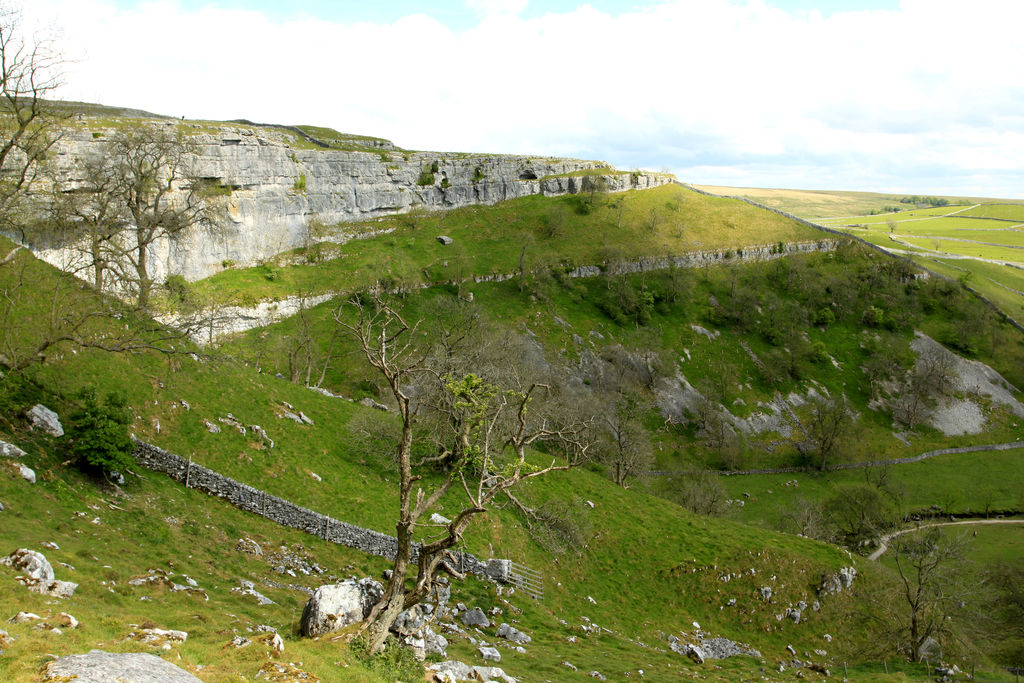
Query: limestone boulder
x,y
44,419
33,564
336,606
475,617
128,667
9,450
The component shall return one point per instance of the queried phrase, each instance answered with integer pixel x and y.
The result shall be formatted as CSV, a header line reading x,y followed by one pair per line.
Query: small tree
x,y
487,452
825,425
98,433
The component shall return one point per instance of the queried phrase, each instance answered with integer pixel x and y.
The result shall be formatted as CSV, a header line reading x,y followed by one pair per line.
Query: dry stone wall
x,y
291,515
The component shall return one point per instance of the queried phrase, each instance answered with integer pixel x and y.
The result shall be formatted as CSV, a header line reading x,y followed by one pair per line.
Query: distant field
x,y
982,245
820,204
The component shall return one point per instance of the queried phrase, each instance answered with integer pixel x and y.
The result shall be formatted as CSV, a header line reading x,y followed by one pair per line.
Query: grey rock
x,y
103,667
248,588
766,593
31,562
793,614
413,620
515,635
211,427
489,654
459,671
695,653
838,582
262,433
439,519
475,617
335,606
570,666
46,420
9,450
929,648
598,675
445,240
723,648
370,403
27,473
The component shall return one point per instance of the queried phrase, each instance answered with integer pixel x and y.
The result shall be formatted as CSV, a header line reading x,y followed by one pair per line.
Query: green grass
x,y
995,483
536,231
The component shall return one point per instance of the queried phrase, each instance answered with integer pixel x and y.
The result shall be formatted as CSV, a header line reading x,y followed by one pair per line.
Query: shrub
x,y
426,178
300,184
98,433
478,174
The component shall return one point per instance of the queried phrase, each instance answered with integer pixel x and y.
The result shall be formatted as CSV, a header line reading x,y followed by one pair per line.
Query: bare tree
x,y
490,452
626,444
30,70
824,427
152,174
934,592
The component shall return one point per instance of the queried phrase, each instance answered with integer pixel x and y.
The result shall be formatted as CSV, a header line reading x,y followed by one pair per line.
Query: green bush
x,y
426,178
98,433
300,184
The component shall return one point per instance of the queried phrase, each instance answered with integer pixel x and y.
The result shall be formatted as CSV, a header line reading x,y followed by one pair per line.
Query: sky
x,y
911,96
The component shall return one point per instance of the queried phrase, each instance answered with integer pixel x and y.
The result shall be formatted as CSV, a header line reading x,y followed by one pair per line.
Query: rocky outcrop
x,y
39,576
336,606
271,191
101,667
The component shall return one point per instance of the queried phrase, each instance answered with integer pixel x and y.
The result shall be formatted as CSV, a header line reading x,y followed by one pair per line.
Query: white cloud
x,y
925,94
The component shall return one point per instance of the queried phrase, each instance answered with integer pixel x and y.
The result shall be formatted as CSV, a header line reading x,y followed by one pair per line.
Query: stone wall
x,y
291,515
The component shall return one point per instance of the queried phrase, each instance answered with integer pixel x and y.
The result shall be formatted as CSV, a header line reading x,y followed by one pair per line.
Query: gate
x,y
527,580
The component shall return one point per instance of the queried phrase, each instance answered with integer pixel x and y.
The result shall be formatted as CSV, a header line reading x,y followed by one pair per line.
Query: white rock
x,y
46,420
27,473
333,607
31,562
9,450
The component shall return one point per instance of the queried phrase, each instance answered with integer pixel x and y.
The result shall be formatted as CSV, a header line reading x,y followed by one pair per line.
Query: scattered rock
x,y
766,593
66,620
211,428
102,667
695,653
285,673
569,666
838,582
333,607
475,617
440,519
370,403
9,450
598,675
515,635
249,588
239,642
489,654
27,473
23,617
31,562
46,420
445,239
273,640
247,545
262,433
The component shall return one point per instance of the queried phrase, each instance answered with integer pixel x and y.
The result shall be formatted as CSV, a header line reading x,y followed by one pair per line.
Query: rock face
x,y
272,190
102,667
336,606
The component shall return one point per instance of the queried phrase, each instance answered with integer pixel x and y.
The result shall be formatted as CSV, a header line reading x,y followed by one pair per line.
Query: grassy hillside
x,y
641,566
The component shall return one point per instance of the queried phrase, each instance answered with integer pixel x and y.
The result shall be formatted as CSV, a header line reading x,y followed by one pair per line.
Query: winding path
x,y
883,542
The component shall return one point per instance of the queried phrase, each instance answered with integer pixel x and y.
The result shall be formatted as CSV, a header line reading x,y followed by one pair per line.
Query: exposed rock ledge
x,y
275,190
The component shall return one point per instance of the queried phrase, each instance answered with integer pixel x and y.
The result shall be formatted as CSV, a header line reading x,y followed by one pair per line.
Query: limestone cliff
x,y
276,188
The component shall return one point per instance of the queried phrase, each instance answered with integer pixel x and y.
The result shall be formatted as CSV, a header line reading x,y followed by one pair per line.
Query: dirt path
x,y
883,542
